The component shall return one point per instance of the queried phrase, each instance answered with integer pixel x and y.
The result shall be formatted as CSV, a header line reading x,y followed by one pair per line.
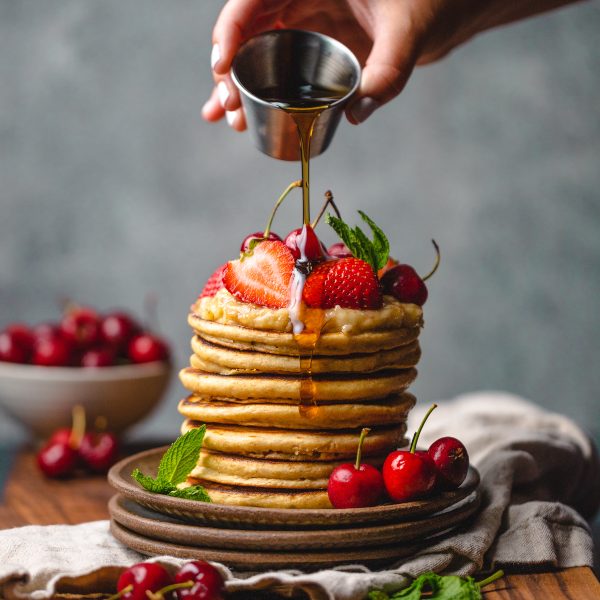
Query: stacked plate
x,y
248,538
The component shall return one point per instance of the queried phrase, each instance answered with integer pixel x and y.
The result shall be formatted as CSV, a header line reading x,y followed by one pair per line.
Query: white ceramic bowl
x,y
42,398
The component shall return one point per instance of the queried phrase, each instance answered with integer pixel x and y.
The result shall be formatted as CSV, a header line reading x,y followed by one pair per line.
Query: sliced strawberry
x,y
391,262
214,283
262,278
347,282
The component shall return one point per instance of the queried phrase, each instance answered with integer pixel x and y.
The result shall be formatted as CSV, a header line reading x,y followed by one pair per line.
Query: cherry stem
x,y
120,594
328,201
281,198
361,439
160,595
413,445
100,423
437,261
491,578
77,426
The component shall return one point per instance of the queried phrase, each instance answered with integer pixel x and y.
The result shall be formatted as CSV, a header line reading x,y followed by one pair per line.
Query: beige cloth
x,y
538,470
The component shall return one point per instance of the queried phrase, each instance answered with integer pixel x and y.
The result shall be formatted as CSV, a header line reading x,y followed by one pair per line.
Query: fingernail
x,y
231,116
363,109
215,56
222,92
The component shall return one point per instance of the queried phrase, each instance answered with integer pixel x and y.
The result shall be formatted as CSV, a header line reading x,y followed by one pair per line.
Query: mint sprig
x,y
175,466
438,587
375,251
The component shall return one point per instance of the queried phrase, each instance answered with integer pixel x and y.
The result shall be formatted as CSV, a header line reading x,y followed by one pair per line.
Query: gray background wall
x,y
111,187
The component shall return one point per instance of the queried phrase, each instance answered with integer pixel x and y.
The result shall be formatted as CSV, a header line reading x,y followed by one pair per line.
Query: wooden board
x,y
239,516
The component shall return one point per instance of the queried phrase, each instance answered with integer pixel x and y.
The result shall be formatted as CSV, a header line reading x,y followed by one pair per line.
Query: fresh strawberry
x,y
262,278
214,283
347,282
391,262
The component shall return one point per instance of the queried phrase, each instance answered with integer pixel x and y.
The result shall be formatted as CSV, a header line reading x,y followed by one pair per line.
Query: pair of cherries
x,y
406,475
195,580
69,449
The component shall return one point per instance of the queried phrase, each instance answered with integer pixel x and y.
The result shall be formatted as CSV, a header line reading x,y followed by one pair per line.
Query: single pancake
x,y
288,416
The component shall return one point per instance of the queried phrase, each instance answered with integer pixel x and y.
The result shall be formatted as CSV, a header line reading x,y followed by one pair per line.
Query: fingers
x,y
387,68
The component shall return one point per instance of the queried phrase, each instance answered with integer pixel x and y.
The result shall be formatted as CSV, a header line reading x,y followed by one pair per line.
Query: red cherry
x,y
99,451
45,331
51,352
147,348
304,244
81,327
339,250
142,578
57,459
451,461
409,474
355,485
117,329
61,436
208,583
23,336
403,282
10,349
102,357
257,235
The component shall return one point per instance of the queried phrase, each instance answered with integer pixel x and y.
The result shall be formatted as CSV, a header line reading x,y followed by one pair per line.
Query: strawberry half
x,y
262,278
347,282
214,283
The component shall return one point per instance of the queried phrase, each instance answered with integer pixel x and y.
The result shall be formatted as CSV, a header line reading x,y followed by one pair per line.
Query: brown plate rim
x,y
288,516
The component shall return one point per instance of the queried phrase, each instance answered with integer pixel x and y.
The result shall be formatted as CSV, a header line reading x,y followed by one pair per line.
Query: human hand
x,y
389,37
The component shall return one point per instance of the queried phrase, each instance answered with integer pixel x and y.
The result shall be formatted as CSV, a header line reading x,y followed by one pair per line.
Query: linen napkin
x,y
540,479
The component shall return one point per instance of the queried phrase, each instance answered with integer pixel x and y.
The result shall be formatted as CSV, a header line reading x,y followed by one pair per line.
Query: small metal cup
x,y
268,60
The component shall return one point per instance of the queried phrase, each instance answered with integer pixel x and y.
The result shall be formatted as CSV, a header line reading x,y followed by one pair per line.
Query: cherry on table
x,y
207,582
408,474
61,436
304,243
146,348
57,459
138,579
451,461
99,451
258,236
355,485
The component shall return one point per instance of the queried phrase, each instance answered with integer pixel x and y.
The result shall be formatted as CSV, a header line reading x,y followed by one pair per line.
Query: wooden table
x,y
29,498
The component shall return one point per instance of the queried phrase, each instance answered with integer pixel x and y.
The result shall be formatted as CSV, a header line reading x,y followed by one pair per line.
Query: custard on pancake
x,y
287,416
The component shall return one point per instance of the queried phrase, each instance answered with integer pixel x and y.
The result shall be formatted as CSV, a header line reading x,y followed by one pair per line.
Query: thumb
x,y
385,73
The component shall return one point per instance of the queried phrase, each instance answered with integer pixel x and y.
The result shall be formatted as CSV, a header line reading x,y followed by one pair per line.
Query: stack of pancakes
x,y
264,445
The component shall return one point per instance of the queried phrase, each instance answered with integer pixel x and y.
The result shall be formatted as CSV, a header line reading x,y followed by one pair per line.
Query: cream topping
x,y
225,308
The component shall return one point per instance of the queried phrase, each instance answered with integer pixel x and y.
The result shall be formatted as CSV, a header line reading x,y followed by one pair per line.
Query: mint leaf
x,y
195,492
381,244
375,252
175,466
181,457
151,484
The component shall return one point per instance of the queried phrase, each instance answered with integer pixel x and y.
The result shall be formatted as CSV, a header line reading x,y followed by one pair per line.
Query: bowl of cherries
x,y
106,363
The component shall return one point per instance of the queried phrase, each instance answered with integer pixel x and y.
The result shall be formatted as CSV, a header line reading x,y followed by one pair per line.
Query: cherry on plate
x,y
207,582
403,282
355,485
451,461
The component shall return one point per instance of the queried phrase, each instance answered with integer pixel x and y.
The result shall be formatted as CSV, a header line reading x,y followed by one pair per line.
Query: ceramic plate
x,y
266,518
